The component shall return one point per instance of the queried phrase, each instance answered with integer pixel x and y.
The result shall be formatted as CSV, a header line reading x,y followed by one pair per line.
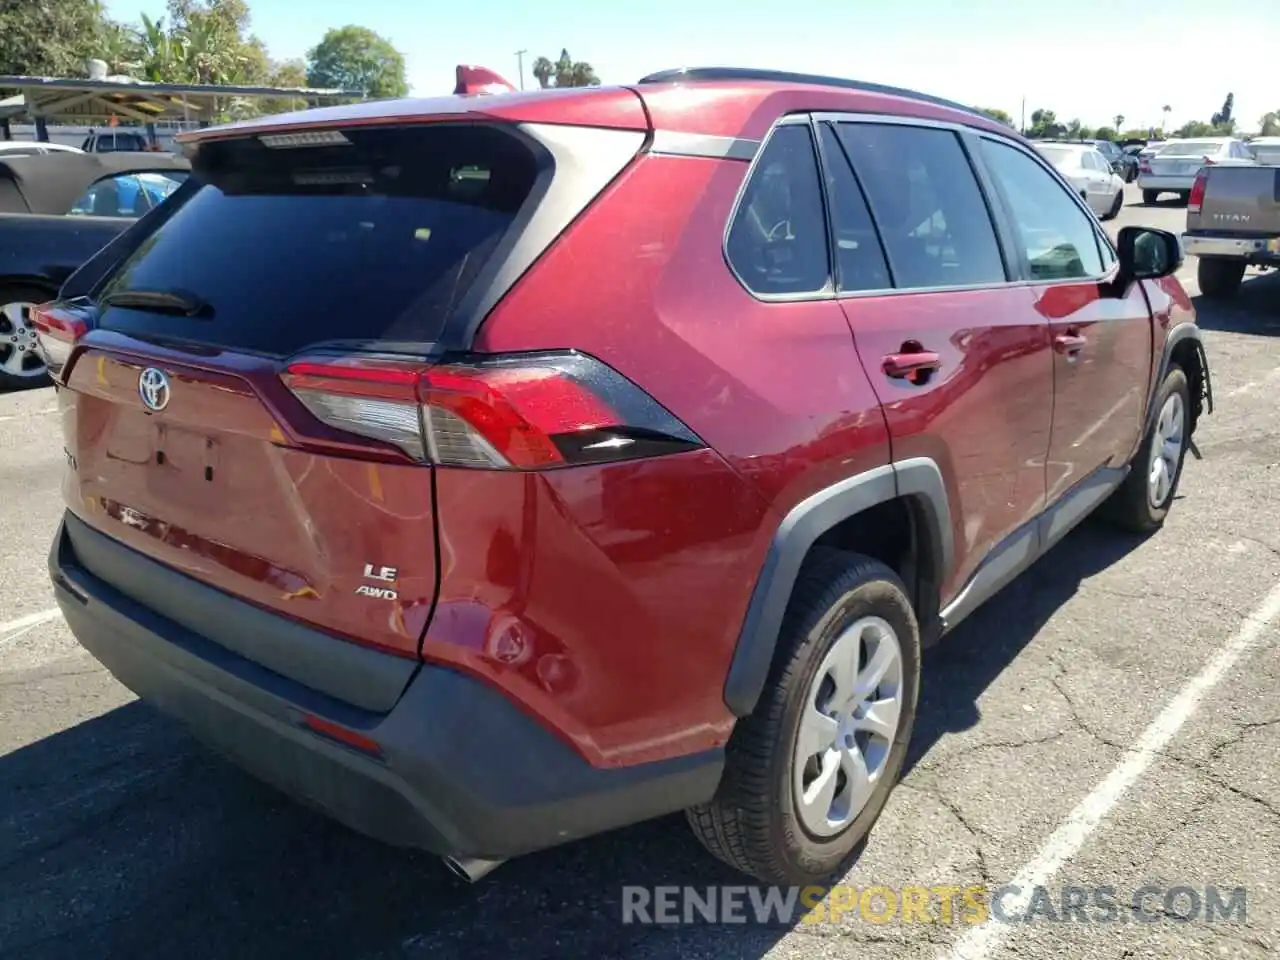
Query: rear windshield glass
x,y
1266,152
1059,156
1192,148
375,238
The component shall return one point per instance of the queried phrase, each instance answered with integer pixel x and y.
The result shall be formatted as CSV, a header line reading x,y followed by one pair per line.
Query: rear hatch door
x,y
188,443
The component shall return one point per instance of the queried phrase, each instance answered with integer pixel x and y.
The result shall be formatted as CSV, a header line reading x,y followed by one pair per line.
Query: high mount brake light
x,y
524,412
57,331
1196,200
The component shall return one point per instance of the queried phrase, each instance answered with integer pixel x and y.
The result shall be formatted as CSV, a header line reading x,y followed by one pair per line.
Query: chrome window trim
x,y
813,118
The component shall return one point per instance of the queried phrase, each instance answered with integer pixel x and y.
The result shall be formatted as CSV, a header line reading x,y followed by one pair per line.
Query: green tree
x,y
49,38
356,58
1269,125
1045,125
287,73
564,72
1195,128
1105,133
995,113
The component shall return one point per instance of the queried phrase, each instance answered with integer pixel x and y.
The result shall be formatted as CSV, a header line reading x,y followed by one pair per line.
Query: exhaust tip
x,y
471,869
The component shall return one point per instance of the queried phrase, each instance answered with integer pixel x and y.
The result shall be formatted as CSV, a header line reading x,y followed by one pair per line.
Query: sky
x,y
1086,59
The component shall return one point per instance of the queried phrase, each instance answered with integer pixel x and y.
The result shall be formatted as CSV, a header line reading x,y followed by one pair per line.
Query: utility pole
x,y
520,65
1023,127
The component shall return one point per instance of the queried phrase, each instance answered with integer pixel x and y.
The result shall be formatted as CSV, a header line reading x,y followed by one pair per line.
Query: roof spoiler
x,y
478,81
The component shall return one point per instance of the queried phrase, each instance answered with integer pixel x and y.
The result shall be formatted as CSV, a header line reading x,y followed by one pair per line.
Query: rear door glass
x,y
374,238
926,202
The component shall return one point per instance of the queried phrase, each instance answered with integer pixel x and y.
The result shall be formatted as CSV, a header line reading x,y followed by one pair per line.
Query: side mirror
x,y
1147,253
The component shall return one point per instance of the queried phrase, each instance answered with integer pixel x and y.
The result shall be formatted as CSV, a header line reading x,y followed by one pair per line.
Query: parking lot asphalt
x,y
1058,744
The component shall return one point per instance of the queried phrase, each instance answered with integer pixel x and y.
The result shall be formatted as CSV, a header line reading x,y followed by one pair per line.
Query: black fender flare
x,y
918,480
1177,335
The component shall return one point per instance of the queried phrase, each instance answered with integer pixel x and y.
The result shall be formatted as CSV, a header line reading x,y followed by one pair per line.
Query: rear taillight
x,y
1144,164
1196,199
523,412
57,332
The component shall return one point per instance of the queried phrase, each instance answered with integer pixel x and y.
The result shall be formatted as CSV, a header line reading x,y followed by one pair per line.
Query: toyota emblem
x,y
153,388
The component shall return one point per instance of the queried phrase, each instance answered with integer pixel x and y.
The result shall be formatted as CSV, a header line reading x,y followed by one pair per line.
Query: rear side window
x,y
927,203
778,240
373,239
1059,238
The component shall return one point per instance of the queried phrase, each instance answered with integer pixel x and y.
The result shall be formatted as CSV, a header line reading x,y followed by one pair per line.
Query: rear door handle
x,y
900,365
1069,343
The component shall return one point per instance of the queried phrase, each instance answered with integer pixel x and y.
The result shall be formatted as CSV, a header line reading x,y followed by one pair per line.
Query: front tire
x,y
808,772
1219,279
1141,503
1116,205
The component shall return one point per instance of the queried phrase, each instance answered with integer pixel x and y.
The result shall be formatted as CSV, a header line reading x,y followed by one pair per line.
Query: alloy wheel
x,y
850,721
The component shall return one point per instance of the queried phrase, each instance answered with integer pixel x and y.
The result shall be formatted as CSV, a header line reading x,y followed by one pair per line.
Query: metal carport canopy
x,y
49,98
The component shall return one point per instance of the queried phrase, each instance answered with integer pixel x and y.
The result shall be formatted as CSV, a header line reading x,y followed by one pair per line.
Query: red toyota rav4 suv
x,y
492,471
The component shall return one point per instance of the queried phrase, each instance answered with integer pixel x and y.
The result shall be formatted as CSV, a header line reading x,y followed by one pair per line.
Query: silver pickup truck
x,y
1233,221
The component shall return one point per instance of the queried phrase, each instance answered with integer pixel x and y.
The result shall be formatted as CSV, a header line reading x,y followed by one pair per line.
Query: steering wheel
x,y
772,234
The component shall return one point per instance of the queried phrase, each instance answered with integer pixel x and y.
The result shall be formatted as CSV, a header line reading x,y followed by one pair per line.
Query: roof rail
x,y
713,74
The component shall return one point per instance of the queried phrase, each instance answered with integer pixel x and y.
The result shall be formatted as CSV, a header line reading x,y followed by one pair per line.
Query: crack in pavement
x,y
976,834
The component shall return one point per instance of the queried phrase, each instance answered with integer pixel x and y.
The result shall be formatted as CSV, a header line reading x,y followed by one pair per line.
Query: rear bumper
x,y
1252,249
461,772
1171,184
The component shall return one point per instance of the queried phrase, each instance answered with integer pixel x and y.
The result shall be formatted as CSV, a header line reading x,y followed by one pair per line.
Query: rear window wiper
x,y
159,301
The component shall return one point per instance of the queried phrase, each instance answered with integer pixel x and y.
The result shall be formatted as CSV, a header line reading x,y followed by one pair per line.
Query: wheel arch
x,y
1184,346
21,280
913,490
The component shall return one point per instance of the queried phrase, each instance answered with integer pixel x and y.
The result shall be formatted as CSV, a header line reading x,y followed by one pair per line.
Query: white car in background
x,y
1089,172
1265,150
1173,168
32,148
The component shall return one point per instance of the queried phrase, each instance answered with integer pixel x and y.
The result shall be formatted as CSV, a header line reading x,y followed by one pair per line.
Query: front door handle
x,y
1069,343
900,365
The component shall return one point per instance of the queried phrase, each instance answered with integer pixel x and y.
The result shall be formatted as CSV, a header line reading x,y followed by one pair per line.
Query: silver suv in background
x,y
1173,168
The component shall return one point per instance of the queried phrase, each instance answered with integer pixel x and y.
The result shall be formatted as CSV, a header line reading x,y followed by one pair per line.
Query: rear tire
x,y
1219,279
850,612
17,339
1149,197
1141,503
1184,197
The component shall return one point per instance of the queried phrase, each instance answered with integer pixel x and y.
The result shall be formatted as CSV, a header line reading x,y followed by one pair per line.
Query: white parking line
x,y
33,413
982,941
11,630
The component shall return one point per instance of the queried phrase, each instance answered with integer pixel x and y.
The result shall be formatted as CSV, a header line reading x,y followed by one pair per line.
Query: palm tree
x,y
1119,119
564,72
162,55
543,70
1166,110
119,46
